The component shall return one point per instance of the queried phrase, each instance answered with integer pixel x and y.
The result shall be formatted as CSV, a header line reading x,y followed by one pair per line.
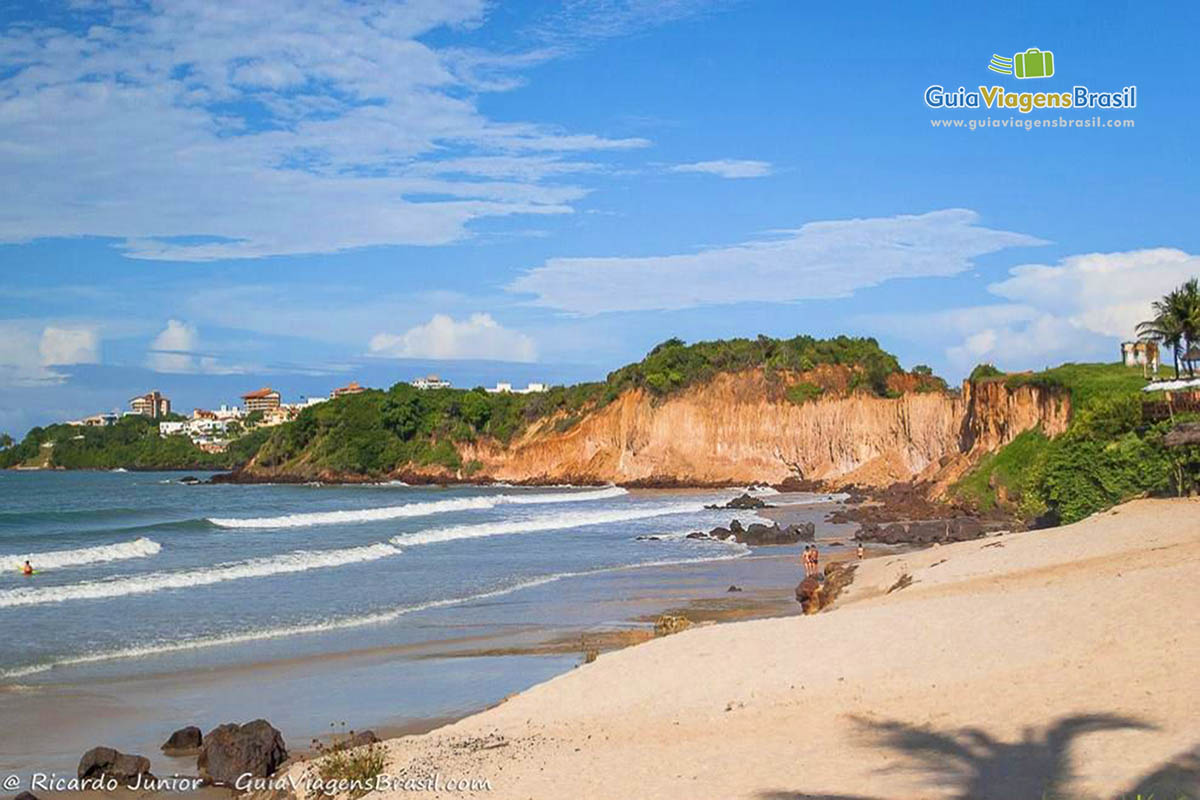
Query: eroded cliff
x,y
738,429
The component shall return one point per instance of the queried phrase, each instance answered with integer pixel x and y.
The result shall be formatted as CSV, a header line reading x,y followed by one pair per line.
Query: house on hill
x,y
431,382
350,388
152,404
264,399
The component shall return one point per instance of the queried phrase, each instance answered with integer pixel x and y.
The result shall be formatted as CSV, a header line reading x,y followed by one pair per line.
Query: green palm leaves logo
x,y
1033,63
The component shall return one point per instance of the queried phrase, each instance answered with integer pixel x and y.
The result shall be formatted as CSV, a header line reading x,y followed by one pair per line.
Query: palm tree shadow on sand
x,y
978,766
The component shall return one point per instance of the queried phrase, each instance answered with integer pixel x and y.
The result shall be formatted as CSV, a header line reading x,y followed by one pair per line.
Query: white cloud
x,y
727,168
818,260
1103,293
176,349
1078,309
30,351
198,131
445,338
173,349
62,346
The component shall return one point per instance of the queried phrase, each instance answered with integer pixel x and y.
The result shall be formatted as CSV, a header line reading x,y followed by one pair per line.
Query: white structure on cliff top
x,y
507,388
1140,354
431,382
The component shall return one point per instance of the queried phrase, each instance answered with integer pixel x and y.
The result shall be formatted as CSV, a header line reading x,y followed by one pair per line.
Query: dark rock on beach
x,y
934,531
184,742
814,594
26,796
230,751
105,762
758,534
745,502
734,589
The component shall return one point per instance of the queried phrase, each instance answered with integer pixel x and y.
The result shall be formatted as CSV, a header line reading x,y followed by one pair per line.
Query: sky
x,y
205,198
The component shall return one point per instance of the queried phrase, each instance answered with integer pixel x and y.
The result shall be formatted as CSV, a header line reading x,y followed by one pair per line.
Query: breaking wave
x,y
548,522
377,618
413,509
53,559
120,586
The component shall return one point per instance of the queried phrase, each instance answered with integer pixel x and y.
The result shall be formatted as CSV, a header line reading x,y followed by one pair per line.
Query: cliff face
x,y
729,430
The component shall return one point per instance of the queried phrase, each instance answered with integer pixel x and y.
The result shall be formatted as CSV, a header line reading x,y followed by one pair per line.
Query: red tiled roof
x,y
263,392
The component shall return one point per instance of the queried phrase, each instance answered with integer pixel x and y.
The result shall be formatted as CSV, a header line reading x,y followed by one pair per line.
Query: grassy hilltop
x,y
375,432
1109,453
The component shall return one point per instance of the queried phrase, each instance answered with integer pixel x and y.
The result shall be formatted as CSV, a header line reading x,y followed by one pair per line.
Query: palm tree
x,y
1176,321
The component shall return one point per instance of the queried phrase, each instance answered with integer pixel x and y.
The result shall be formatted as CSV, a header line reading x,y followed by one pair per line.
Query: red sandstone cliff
x,y
731,430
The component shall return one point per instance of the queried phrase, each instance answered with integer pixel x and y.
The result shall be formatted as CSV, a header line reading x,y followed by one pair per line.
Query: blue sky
x,y
205,198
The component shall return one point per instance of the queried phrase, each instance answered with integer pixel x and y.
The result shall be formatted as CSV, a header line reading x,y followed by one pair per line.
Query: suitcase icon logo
x,y
1033,63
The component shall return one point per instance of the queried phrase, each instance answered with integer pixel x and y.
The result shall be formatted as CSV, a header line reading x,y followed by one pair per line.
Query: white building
x,y
507,388
431,382
1140,354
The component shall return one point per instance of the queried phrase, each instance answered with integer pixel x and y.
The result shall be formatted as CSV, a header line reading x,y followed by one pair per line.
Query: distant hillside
x,y
710,412
132,443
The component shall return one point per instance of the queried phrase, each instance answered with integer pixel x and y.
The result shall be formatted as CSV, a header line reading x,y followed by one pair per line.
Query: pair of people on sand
x,y
811,560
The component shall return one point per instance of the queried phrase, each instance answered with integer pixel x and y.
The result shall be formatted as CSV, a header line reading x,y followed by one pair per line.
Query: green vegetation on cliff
x,y
1108,454
378,432
132,443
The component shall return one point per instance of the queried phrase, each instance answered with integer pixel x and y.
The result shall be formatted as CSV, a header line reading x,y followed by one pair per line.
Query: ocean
x,y
143,578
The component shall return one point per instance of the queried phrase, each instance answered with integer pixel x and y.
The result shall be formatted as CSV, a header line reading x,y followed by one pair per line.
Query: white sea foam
x,y
414,509
547,522
328,626
120,586
53,559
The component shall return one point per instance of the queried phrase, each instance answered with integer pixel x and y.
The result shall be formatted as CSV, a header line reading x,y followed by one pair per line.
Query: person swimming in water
x,y
27,569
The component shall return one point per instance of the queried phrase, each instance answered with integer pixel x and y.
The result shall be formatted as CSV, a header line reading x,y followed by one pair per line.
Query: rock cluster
x,y
933,531
744,502
758,534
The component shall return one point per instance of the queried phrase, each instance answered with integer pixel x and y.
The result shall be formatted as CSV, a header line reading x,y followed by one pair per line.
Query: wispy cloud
x,y
203,131
581,20
727,168
817,260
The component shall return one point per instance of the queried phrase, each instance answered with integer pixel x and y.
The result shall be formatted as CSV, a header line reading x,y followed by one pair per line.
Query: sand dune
x,y
1060,663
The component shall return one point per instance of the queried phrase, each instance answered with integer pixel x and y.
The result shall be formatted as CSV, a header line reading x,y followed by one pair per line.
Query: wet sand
x,y
1059,663
394,690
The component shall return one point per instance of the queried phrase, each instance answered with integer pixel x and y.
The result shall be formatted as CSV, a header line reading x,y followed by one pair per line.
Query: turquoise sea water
x,y
137,571
158,604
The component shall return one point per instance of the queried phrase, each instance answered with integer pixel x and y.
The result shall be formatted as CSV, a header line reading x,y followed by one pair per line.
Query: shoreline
x,y
997,678
544,645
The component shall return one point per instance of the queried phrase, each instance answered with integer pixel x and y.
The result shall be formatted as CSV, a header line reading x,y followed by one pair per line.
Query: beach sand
x,y
1055,663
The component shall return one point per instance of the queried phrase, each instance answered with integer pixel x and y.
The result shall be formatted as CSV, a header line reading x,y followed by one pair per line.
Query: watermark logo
x,y
1033,63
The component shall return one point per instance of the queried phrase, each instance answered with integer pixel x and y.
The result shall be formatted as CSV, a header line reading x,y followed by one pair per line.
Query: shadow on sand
x,y
973,765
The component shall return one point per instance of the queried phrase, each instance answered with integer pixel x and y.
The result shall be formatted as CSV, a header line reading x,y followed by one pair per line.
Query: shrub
x,y
358,768
801,393
984,371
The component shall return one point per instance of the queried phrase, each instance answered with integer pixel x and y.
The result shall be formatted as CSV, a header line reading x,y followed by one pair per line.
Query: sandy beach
x,y
1054,663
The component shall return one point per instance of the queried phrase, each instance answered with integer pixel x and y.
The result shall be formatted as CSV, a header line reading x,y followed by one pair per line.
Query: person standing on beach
x,y
806,561
860,551
816,561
